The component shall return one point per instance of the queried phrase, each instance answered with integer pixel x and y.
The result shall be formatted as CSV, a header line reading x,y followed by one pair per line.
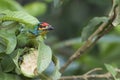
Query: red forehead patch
x,y
44,24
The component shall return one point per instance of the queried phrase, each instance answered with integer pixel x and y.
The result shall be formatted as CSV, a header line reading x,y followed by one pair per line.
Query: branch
x,y
89,75
103,29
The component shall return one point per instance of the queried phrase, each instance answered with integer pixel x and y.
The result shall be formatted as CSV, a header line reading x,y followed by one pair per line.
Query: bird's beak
x,y
49,27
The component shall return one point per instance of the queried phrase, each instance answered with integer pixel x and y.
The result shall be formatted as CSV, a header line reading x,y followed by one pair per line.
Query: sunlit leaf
x,y
111,69
92,26
36,8
56,74
44,57
9,40
19,16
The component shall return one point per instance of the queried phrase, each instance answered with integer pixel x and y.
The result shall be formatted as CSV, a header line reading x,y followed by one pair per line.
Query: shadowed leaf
x,y
7,64
9,40
5,76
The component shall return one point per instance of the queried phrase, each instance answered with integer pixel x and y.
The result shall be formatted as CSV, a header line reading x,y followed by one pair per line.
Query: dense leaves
x,y
15,36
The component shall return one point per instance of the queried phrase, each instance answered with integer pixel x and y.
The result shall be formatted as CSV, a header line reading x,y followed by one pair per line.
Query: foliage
x,y
17,44
21,51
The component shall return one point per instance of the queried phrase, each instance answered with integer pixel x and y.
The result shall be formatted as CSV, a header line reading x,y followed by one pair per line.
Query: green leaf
x,y
5,76
22,40
92,26
56,74
36,8
7,64
2,45
10,4
44,57
15,56
9,40
19,16
111,69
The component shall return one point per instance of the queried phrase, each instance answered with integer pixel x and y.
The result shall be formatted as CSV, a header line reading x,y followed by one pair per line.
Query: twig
x,y
103,29
82,77
93,70
87,76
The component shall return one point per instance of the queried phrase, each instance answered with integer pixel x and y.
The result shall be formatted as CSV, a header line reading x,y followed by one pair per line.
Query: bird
x,y
27,37
41,29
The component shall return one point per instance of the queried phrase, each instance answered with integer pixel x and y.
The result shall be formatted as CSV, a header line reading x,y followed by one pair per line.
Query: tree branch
x,y
89,75
103,29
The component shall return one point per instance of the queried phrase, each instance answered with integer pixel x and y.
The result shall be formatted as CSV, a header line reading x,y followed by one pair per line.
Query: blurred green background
x,y
69,17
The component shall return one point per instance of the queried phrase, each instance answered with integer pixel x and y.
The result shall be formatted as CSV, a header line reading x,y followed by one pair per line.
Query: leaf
x,y
36,8
15,56
56,74
92,26
19,16
5,76
2,45
111,69
9,40
7,64
44,57
10,4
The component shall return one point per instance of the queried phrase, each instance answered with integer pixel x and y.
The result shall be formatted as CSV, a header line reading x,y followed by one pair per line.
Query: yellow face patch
x,y
43,28
40,29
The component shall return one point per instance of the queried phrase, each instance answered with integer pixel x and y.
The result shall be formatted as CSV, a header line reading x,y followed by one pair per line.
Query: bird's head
x,y
44,27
